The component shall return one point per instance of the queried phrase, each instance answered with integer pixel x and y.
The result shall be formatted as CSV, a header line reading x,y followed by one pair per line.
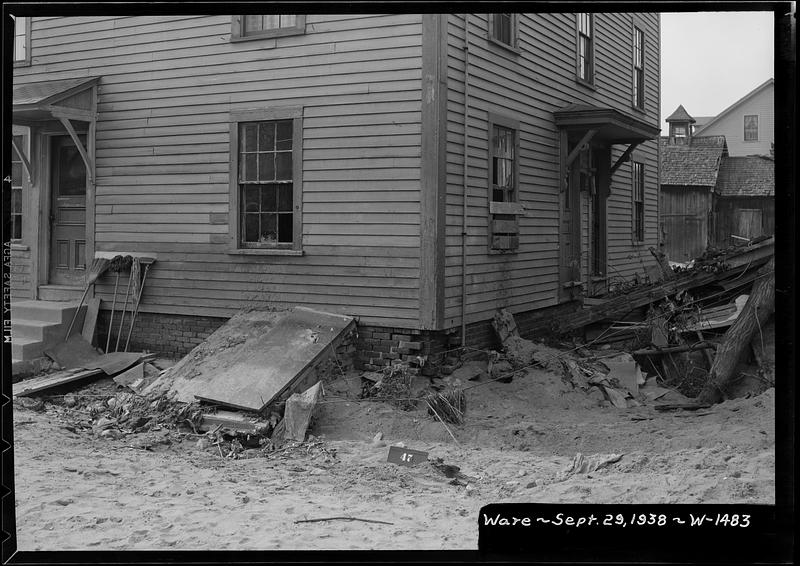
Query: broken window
x,y
638,200
638,68
266,183
271,25
585,54
504,228
751,128
16,191
502,28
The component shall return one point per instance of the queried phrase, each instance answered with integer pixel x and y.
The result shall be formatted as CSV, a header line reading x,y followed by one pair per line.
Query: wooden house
x,y
416,171
748,124
744,200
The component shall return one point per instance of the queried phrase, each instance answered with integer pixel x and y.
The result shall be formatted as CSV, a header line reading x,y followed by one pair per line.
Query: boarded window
x,y
751,128
22,37
266,183
272,25
638,68
16,191
504,227
585,54
502,28
638,201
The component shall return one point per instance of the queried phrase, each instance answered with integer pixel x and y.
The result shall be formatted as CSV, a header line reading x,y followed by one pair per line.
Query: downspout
x,y
465,183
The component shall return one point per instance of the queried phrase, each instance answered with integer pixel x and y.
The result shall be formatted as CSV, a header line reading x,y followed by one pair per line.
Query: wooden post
x,y
663,263
759,307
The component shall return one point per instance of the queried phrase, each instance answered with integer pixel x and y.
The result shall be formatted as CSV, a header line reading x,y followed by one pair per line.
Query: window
x,y
267,173
638,68
503,183
638,201
16,191
22,40
503,29
751,128
585,53
679,131
273,25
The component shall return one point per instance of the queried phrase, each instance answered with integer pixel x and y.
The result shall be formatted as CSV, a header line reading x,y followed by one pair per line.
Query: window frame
x,y
25,61
513,45
638,85
590,81
294,113
744,125
504,208
638,181
237,27
24,188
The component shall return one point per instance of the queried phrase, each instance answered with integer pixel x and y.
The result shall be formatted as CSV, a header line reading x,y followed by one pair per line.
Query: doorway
x,y
67,264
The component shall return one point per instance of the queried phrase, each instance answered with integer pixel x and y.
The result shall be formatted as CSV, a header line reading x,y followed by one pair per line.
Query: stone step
x,y
26,348
46,311
60,293
45,331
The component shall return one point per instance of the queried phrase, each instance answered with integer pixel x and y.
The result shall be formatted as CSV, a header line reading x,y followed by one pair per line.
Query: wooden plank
x,y
37,384
90,320
506,208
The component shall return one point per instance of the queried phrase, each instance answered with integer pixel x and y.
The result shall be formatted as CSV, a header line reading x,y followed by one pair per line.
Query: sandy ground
x,y
158,491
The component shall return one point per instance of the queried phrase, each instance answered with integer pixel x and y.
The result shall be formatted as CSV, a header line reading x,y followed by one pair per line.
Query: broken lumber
x,y
37,384
759,307
675,349
663,264
299,408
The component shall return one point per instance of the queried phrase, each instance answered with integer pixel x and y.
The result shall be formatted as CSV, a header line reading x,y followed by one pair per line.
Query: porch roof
x,y
612,125
36,102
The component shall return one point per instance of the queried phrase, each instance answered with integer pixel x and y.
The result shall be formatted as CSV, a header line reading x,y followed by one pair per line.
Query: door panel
x,y
67,213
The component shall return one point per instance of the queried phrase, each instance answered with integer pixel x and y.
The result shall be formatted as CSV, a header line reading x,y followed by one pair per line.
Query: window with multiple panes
x,y
502,28
503,183
22,40
272,25
585,55
751,128
638,200
16,191
266,184
638,68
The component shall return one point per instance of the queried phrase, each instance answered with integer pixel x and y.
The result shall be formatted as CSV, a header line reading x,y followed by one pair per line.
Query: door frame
x,y
43,142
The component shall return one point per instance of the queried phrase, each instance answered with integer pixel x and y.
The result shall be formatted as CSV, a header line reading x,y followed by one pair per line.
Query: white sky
x,y
709,60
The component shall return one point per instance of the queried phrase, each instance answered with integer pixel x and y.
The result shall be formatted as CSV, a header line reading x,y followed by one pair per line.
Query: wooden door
x,y
67,213
570,252
749,223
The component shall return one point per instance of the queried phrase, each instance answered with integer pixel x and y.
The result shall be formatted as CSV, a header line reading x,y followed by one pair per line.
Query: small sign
x,y
406,456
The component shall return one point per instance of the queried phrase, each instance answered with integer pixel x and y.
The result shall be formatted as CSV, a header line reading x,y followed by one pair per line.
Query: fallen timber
x,y
742,272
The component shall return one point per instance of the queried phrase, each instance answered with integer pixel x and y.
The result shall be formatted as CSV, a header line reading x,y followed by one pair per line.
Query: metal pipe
x,y
465,183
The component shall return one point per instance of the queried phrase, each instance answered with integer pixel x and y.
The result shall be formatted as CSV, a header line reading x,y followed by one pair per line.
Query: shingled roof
x,y
746,176
694,164
680,115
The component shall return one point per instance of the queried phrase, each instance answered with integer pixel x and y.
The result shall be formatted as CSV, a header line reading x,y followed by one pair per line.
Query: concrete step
x,y
44,331
60,293
26,348
47,311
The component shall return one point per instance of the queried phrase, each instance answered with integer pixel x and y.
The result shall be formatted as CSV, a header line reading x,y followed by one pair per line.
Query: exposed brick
x,y
410,345
401,337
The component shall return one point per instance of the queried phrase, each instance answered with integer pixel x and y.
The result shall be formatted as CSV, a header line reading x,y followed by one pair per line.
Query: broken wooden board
x,y
299,408
90,320
232,421
137,377
37,384
275,363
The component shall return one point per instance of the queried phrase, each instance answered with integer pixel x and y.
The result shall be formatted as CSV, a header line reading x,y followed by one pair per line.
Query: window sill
x,y
18,247
265,36
265,251
586,84
638,109
505,46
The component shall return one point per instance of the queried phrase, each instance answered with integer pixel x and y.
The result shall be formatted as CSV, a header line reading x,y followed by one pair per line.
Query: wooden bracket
x,y
25,161
582,145
623,158
82,150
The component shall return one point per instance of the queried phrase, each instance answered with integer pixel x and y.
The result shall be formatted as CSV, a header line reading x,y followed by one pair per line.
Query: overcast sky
x,y
709,60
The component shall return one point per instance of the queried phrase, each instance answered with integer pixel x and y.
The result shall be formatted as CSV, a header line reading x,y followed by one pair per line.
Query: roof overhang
x,y
612,126
68,98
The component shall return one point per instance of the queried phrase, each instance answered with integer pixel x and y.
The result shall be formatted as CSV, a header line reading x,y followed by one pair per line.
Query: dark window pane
x,y
266,136
285,227
497,195
251,199
284,135
16,200
71,172
16,232
269,198
16,174
251,227
269,229
283,164
285,198
266,166
248,137
249,171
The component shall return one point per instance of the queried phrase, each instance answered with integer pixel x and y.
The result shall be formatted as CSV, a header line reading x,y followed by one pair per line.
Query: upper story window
x,y
638,68
273,25
679,131
638,200
751,128
266,181
585,51
503,29
22,40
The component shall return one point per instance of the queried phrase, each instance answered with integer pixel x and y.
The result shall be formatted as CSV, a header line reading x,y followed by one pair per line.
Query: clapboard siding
x,y
167,87
20,272
528,86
